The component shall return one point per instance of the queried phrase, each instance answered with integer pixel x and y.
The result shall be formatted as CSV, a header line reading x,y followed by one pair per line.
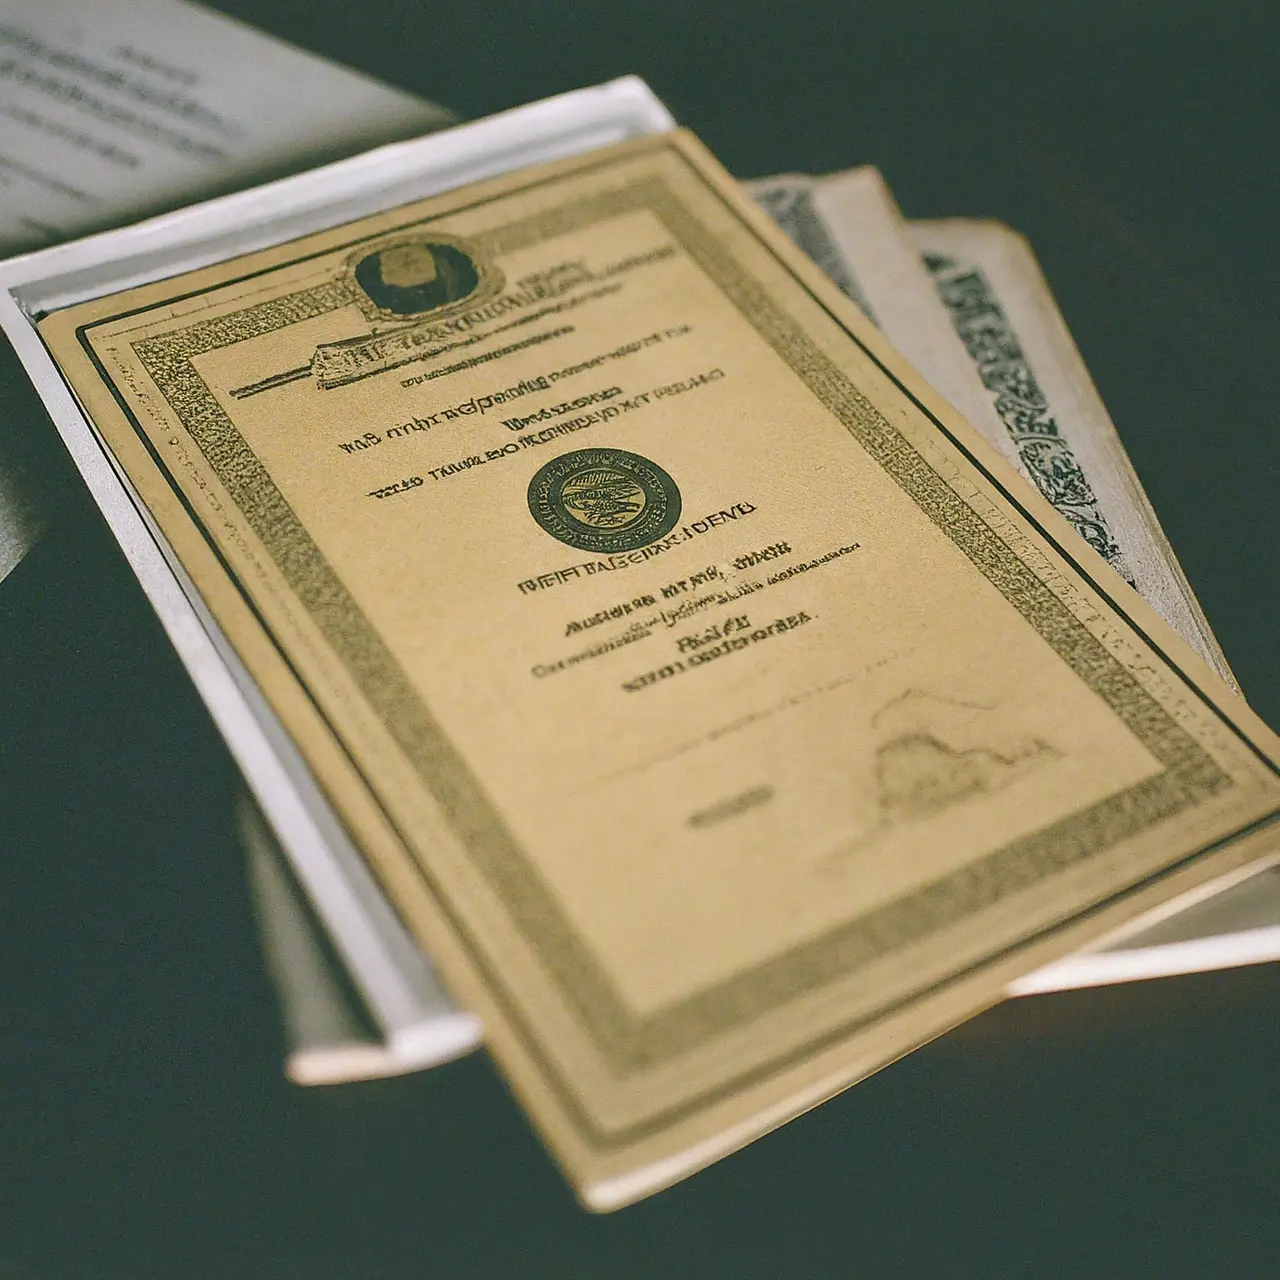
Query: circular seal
x,y
604,500
416,275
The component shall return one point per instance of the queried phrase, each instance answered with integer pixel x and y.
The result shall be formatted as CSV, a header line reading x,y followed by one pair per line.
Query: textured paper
x,y
114,109
677,656
964,300
1051,416
850,225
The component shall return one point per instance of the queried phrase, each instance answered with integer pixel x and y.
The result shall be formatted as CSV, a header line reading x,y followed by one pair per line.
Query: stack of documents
x,y
719,659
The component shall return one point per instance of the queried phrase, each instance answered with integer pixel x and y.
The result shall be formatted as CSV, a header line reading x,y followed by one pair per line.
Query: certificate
x,y
719,711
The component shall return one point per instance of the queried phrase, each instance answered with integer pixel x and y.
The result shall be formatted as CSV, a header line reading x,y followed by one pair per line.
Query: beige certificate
x,y
723,715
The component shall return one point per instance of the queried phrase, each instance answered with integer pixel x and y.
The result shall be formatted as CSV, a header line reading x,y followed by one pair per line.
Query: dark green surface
x,y
145,1129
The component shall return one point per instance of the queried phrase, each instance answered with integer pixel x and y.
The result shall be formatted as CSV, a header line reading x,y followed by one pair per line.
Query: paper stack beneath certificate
x,y
589,589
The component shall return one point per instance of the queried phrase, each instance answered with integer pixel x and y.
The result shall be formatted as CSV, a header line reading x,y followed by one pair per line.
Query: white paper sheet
x,y
114,109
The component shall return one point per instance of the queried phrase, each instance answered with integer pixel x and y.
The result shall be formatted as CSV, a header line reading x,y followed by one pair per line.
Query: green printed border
x,y
627,1043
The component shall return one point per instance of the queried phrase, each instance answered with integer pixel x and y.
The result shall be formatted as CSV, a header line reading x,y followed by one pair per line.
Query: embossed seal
x,y
604,500
417,275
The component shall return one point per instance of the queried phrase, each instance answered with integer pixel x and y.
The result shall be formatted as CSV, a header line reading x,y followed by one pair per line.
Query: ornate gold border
x,y
629,1044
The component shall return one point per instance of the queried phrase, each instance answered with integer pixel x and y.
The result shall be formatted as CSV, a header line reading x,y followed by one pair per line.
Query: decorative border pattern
x,y
1020,401
629,1044
790,205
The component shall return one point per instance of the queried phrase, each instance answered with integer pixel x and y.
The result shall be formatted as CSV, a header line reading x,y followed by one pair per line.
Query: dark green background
x,y
145,1129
